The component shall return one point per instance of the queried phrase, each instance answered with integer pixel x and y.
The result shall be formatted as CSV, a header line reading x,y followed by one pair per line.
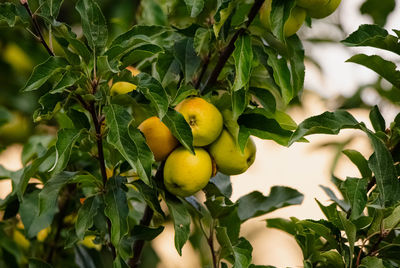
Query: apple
x,y
311,3
158,137
123,87
320,12
186,173
228,157
203,117
42,235
292,24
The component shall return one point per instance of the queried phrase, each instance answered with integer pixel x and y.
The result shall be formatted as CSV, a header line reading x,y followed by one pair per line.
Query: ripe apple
x,y
158,137
292,24
228,156
311,3
203,117
17,130
320,12
122,87
185,173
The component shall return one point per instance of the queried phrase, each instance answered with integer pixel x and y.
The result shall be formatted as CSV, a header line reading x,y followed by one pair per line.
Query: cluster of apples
x,y
317,9
186,173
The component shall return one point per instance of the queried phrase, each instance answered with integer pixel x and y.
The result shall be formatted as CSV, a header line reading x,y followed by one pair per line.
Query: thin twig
x,y
37,27
227,52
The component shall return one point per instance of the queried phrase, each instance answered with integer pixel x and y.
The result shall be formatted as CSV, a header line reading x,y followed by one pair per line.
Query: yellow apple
x,y
88,242
124,87
21,240
320,12
17,58
17,130
42,235
229,158
158,137
311,3
203,117
292,24
185,173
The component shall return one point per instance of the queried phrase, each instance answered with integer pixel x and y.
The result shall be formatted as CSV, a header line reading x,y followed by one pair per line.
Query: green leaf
x,y
194,7
371,262
179,128
256,123
33,220
341,203
141,232
377,119
37,263
355,191
382,165
358,159
9,245
321,229
48,195
186,55
150,196
50,8
256,204
181,219
223,183
201,41
282,224
94,24
281,74
5,116
243,55
130,143
351,231
241,251
296,59
239,103
42,72
326,123
378,10
224,10
373,36
384,68
116,209
68,79
12,14
280,12
154,92
266,99
66,139
86,215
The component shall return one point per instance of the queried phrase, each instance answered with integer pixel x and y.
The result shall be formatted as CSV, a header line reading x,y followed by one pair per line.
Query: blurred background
x,y
330,84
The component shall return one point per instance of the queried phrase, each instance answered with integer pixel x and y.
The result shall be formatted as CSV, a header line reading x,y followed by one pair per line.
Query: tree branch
x,y
227,52
36,26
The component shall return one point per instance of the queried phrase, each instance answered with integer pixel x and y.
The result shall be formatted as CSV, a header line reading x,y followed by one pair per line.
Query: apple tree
x,y
115,147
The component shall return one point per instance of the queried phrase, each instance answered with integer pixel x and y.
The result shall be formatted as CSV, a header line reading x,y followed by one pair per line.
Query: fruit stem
x,y
227,52
25,4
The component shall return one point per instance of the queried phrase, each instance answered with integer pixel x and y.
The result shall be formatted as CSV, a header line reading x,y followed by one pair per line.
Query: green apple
x,y
292,24
320,12
186,173
229,158
311,3
203,117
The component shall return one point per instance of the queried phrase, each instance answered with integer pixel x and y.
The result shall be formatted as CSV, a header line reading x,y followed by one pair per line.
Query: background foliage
x,y
177,46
